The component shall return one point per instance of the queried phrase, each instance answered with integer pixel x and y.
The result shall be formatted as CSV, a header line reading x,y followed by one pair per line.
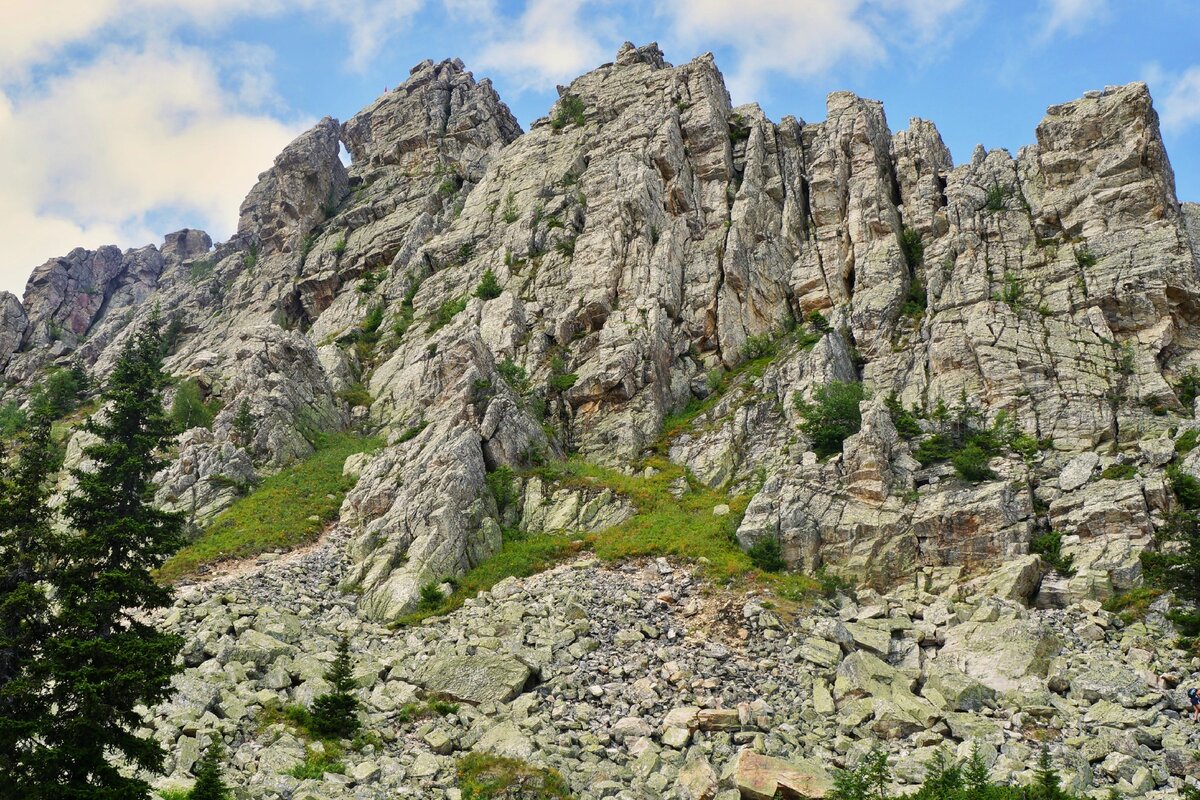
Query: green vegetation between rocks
x,y
1049,546
946,779
191,409
432,707
487,777
489,287
662,525
335,713
209,784
832,417
288,509
571,110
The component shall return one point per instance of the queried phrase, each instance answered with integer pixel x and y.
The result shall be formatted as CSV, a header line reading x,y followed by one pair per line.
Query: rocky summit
x,y
680,451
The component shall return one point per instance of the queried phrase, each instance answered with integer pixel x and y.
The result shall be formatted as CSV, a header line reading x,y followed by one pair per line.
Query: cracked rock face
x,y
646,238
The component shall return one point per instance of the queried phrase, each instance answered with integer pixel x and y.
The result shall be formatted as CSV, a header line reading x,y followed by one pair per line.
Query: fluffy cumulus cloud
x,y
1070,17
805,38
549,42
99,143
1179,107
97,149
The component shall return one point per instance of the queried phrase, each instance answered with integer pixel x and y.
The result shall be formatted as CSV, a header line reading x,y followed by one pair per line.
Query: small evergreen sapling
x,y
489,286
243,425
209,784
336,714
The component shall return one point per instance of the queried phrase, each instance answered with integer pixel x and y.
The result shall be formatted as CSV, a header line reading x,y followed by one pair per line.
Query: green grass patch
x,y
174,794
521,555
287,509
486,777
1133,605
317,763
684,528
1119,472
432,707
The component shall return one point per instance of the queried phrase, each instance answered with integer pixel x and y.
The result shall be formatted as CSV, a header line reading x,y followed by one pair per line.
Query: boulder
x,y
478,678
760,777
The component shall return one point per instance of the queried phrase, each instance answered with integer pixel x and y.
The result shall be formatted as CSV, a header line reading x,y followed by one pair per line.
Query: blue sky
x,y
121,120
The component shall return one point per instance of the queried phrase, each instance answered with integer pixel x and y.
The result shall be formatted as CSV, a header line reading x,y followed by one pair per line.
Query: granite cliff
x,y
666,273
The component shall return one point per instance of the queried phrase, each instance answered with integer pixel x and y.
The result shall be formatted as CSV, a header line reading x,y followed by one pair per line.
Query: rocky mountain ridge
x,y
645,238
654,282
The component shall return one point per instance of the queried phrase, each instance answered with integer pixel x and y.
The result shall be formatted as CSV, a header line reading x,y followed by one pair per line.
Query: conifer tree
x,y
976,776
26,549
243,424
1045,779
209,785
103,659
335,713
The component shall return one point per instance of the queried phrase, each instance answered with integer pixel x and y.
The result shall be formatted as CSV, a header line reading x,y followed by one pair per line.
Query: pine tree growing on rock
x,y
243,424
27,542
102,659
336,713
209,784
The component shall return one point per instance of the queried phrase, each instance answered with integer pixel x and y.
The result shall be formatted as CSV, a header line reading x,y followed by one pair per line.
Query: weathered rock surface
x,y
638,698
665,261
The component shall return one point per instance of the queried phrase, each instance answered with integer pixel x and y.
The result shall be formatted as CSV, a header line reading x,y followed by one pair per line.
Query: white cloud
x,y
1179,105
550,43
1070,17
31,33
804,38
96,150
109,123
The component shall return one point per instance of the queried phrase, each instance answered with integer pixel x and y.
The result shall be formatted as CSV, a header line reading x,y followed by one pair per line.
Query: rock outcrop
x,y
646,239
651,278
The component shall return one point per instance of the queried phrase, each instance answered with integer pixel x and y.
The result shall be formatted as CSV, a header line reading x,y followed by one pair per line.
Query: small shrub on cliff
x,y
446,312
1186,488
1049,546
1119,472
243,424
913,248
767,555
1175,564
996,197
903,420
336,714
489,287
833,417
570,110
971,464
190,409
760,346
431,596
1188,388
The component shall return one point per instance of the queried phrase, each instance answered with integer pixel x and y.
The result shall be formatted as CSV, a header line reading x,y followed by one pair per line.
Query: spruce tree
x,y
335,714
103,658
976,776
209,785
26,550
1045,779
243,424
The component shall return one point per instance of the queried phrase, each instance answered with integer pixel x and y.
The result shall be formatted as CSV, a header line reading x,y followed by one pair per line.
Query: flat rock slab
x,y
481,678
760,777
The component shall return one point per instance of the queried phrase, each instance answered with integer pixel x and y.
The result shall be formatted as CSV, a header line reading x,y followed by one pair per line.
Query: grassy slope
x,y
685,528
280,512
